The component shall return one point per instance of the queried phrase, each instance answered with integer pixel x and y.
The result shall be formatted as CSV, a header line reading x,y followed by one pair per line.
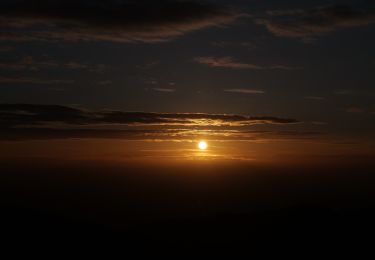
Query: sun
x,y
202,145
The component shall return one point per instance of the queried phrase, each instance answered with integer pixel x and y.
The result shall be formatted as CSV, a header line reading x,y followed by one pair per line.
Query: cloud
x,y
225,62
223,44
230,62
75,66
299,23
40,133
112,20
29,63
26,80
43,122
316,98
13,115
355,110
165,90
319,123
244,91
343,92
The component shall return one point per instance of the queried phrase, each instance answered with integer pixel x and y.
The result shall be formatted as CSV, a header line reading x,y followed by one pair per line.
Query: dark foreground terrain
x,y
65,205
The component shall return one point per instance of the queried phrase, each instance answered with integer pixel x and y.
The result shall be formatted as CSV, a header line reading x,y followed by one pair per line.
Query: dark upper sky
x,y
312,61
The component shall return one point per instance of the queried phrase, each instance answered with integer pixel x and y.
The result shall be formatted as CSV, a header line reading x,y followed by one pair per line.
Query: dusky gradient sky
x,y
257,73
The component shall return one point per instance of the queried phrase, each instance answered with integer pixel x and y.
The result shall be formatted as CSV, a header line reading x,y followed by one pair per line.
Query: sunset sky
x,y
259,80
182,121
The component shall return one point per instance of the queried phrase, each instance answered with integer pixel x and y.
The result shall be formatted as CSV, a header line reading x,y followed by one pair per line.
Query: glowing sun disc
x,y
202,145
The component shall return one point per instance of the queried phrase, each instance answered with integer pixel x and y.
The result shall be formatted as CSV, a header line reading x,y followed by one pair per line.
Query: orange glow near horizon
x,y
269,152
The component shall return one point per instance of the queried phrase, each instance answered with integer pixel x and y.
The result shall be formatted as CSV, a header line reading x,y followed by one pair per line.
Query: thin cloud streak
x,y
27,80
355,110
316,98
232,63
343,92
244,91
29,63
165,90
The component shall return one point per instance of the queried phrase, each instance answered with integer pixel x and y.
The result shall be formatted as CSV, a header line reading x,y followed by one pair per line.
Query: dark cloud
x,y
12,115
16,115
40,133
43,122
299,23
112,20
232,63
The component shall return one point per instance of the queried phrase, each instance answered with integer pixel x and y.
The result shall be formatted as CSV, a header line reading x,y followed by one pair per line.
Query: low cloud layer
x,y
300,23
44,122
44,133
112,20
13,115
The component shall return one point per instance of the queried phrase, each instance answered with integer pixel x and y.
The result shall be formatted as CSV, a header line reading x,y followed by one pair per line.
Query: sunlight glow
x,y
202,145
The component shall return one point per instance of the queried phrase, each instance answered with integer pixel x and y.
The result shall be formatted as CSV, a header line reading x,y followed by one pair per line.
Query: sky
x,y
259,81
181,123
